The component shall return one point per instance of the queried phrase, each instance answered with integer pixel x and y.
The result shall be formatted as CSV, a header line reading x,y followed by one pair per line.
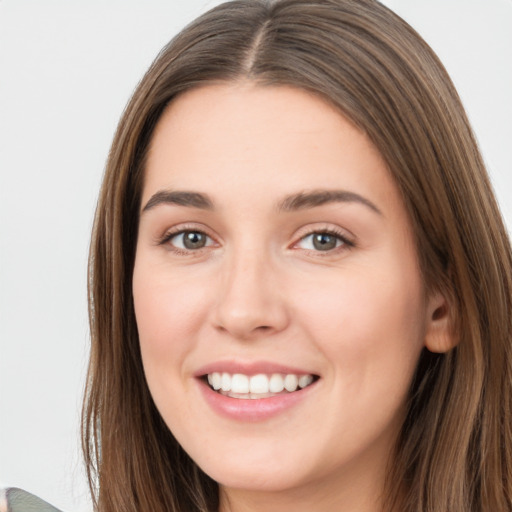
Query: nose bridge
x,y
249,299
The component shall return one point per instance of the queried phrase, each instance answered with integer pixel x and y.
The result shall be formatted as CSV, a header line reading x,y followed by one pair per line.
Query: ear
x,y
440,334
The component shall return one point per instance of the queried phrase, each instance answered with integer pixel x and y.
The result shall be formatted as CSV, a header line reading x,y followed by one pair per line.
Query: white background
x,y
67,68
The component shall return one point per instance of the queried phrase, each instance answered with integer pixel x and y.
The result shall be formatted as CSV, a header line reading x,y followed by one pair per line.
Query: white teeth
x,y
215,380
305,380
257,386
240,383
225,383
276,384
291,382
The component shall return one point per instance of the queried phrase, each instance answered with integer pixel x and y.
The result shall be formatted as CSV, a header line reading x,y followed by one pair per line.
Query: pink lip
x,y
249,368
252,410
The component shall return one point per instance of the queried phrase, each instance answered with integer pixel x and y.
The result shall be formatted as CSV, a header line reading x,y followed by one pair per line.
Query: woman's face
x,y
274,250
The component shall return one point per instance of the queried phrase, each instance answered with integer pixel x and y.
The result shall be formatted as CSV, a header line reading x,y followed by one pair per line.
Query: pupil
x,y
324,241
194,240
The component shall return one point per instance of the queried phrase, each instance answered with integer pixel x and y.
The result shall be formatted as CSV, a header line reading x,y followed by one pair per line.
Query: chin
x,y
256,479
255,466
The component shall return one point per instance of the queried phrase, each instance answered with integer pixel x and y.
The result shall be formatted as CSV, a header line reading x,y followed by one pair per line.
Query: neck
x,y
280,503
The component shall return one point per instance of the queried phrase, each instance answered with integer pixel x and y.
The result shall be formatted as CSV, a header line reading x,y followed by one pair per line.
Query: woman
x,y
300,280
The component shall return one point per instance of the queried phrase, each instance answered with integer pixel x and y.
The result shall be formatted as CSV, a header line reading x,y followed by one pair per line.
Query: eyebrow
x,y
181,198
304,200
294,202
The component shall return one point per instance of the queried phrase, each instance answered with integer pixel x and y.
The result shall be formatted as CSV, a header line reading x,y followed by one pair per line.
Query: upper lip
x,y
250,368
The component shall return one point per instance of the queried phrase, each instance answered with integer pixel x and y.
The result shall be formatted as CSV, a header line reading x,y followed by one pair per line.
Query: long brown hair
x,y
455,448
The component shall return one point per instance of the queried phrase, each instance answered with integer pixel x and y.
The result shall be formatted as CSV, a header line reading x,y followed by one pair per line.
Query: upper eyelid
x,y
184,227
324,228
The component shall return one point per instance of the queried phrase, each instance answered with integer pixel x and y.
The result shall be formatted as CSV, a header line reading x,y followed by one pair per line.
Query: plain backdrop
x,y
67,68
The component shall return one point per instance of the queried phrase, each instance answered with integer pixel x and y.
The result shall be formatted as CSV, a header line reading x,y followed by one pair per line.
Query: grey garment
x,y
18,500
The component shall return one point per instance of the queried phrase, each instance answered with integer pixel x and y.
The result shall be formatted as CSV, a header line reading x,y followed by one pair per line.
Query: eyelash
x,y
345,242
169,235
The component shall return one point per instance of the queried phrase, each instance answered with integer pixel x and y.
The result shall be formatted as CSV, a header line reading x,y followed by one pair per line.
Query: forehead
x,y
261,141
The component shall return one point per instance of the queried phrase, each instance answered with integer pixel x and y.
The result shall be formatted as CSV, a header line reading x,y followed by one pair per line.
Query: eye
x,y
189,240
322,241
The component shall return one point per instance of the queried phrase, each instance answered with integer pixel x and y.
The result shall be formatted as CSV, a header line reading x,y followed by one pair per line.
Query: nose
x,y
250,302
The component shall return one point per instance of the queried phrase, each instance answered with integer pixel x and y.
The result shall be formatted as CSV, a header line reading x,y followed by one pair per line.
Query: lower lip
x,y
256,409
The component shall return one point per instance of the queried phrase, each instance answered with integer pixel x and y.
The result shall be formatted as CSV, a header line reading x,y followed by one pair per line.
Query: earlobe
x,y
440,334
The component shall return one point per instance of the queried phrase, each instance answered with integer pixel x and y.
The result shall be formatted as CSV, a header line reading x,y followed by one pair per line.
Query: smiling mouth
x,y
262,385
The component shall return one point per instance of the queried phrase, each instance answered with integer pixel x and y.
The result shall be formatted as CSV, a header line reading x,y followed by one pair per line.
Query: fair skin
x,y
292,256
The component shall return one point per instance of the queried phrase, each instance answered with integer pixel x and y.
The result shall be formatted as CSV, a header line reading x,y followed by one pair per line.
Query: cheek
x,y
169,312
369,325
